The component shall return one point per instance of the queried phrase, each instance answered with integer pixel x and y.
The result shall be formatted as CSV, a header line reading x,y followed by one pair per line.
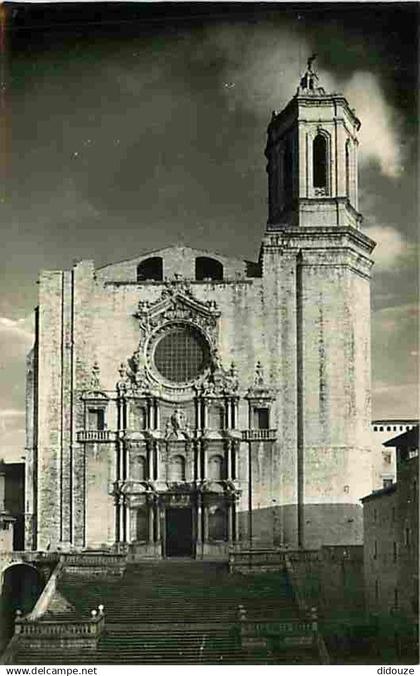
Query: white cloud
x,y
390,245
379,137
11,413
18,328
267,73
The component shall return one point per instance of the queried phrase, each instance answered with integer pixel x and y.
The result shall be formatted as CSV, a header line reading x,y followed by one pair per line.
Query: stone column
x,y
234,413
203,460
157,459
206,523
229,460
199,519
197,460
121,515
236,447
151,522
204,414
157,415
117,520
149,415
234,522
157,521
126,522
230,522
150,461
198,412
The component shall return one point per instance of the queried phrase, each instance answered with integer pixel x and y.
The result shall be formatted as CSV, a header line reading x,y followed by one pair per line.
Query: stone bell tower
x,y
316,271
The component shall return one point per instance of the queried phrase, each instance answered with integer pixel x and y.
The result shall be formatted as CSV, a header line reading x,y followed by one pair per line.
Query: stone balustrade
x,y
259,435
95,563
96,435
259,634
62,633
256,560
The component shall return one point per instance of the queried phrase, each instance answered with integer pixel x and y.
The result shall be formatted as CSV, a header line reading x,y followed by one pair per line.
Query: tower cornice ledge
x,y
318,237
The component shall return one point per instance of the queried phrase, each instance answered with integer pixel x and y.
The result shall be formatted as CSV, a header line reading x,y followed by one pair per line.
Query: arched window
x,y
151,268
139,470
208,268
319,158
216,468
217,523
348,168
177,468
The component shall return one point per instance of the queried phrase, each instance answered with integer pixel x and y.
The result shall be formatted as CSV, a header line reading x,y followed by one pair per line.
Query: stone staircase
x,y
175,612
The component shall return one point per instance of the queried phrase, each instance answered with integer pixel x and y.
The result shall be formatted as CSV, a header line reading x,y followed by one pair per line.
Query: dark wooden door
x,y
179,541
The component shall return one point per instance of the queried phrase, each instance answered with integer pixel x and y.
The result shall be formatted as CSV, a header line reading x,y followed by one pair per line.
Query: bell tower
x,y
316,270
312,159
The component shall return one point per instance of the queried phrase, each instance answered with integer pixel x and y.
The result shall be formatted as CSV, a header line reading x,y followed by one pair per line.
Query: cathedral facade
x,y
182,402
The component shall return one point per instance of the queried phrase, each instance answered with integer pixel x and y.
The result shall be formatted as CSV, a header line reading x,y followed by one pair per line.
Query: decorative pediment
x,y
260,390
177,304
95,394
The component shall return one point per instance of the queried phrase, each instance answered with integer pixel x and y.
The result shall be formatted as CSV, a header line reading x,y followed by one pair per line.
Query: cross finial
x,y
310,62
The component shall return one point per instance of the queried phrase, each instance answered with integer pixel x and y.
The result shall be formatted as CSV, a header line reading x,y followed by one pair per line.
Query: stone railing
x,y
60,633
304,598
259,435
95,563
96,435
287,632
256,560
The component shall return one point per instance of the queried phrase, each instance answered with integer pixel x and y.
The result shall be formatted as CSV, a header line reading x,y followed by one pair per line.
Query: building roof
x,y
387,490
409,439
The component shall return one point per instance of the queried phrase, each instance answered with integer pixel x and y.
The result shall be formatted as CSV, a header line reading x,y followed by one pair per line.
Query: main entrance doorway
x,y
179,540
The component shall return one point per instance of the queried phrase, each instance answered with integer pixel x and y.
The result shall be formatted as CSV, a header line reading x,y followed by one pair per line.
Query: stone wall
x,y
298,320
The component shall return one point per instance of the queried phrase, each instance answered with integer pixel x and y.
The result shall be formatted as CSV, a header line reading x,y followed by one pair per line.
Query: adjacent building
x,y
391,535
384,465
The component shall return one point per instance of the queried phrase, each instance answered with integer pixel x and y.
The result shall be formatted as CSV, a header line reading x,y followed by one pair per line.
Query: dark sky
x,y
133,126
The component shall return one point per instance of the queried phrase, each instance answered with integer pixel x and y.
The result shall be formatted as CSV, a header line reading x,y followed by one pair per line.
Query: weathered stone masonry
x,y
180,412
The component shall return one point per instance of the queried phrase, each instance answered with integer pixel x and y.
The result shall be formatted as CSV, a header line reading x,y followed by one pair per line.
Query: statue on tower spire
x,y
309,82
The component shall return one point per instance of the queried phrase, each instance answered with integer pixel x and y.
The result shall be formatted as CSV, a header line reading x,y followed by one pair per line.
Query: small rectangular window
x,y
96,419
261,418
